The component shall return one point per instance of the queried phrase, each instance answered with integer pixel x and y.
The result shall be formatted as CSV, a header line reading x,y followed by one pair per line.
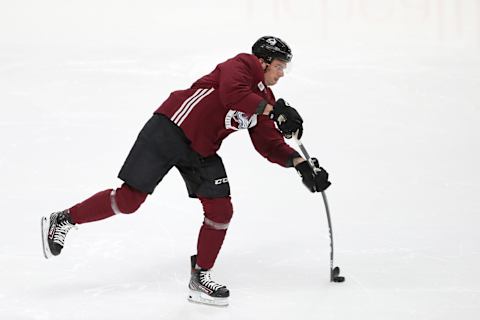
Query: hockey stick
x,y
334,272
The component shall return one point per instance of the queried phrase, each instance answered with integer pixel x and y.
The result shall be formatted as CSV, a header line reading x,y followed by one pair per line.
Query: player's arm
x,y
269,142
235,89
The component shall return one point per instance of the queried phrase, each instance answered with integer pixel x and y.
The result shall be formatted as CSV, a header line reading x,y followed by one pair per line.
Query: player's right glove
x,y
315,180
287,118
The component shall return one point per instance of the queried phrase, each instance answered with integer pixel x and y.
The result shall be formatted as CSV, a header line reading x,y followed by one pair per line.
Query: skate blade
x,y
202,298
45,223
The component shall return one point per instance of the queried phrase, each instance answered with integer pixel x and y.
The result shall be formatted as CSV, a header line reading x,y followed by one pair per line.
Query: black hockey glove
x,y
315,180
287,118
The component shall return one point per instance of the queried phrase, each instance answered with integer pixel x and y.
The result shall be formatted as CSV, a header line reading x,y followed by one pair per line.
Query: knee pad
x,y
218,212
126,199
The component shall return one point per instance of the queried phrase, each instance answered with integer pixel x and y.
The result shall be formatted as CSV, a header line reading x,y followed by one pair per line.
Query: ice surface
x,y
389,91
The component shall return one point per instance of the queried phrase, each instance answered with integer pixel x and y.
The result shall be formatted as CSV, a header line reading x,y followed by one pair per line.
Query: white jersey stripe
x,y
188,105
177,113
193,104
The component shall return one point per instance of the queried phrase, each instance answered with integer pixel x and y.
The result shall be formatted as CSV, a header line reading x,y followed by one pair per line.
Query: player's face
x,y
274,72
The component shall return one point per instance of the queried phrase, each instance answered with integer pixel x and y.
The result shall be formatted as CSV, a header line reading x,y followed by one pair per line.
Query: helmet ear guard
x,y
269,48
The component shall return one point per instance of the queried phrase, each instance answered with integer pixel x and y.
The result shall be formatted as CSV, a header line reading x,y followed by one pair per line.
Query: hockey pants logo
x,y
221,180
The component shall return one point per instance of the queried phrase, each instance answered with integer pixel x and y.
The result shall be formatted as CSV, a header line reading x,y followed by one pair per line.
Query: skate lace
x,y
61,232
206,280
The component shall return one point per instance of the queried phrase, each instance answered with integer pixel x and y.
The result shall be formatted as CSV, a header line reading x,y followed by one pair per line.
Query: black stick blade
x,y
335,272
335,275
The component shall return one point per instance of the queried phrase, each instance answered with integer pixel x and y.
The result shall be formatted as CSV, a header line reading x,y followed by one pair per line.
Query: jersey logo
x,y
237,120
261,86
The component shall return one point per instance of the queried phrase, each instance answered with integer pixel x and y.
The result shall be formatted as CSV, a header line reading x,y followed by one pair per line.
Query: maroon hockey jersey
x,y
225,101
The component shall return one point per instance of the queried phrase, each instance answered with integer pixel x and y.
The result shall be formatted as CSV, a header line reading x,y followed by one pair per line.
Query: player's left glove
x,y
287,118
316,180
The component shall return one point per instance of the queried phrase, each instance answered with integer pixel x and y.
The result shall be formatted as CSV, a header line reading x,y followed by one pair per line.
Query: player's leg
x,y
149,160
100,206
209,183
218,213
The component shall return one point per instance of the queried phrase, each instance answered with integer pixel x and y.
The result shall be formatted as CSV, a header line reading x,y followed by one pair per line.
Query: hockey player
x,y
185,132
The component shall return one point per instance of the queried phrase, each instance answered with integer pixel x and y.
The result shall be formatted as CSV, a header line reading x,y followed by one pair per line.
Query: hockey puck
x,y
339,279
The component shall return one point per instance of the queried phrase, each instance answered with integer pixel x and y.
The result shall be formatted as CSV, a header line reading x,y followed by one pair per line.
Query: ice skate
x,y
54,230
204,290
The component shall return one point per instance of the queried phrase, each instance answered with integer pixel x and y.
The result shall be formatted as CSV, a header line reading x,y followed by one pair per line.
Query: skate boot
x,y
54,230
204,290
